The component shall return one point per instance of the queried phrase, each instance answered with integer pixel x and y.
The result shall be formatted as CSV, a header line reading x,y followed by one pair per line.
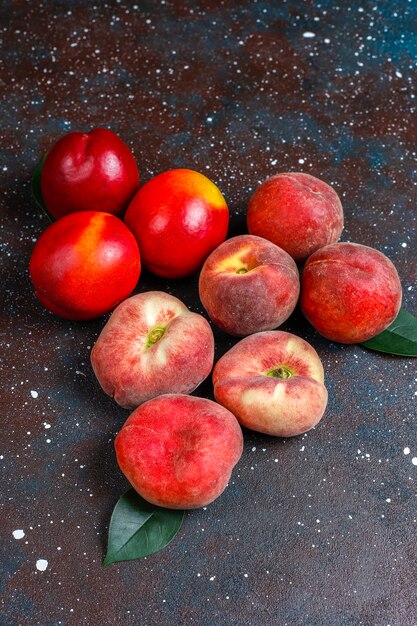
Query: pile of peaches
x,y
177,450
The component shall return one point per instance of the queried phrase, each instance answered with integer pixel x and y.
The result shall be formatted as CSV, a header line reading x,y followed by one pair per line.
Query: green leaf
x,y
36,188
399,338
138,528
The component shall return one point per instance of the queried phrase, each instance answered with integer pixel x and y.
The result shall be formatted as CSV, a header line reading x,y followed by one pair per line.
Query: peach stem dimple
x,y
154,335
280,372
242,270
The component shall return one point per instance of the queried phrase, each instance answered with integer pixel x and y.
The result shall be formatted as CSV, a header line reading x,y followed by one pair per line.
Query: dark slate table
x,y
317,530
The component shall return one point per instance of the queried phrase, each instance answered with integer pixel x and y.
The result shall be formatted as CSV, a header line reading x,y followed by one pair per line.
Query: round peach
x,y
273,383
297,212
152,344
179,451
350,292
248,285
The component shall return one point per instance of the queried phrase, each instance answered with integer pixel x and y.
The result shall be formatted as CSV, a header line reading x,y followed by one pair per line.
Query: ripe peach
x,y
152,344
350,292
248,285
297,212
273,383
179,451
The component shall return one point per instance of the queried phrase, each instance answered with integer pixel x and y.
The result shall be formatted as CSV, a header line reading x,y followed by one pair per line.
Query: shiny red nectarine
x,y
84,264
178,218
92,171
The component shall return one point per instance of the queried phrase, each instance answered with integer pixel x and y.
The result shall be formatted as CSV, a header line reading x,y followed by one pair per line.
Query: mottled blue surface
x,y
314,531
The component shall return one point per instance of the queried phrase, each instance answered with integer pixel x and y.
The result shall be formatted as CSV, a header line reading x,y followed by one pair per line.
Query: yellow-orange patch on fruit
x,y
197,184
90,238
234,262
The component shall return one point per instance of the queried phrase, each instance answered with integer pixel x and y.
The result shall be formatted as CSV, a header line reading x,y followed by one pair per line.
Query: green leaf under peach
x,y
36,188
400,338
138,528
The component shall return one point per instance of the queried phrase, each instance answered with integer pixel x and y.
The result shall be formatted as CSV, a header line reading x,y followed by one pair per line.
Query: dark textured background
x,y
319,530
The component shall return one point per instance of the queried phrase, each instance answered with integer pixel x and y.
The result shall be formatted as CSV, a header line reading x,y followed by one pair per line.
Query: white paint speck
x,y
398,74
414,460
406,450
46,425
41,565
308,34
301,161
34,394
404,245
18,534
388,500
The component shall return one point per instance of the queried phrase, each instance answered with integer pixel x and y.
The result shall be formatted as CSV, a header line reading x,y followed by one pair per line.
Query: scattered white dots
x,y
34,394
18,534
41,565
